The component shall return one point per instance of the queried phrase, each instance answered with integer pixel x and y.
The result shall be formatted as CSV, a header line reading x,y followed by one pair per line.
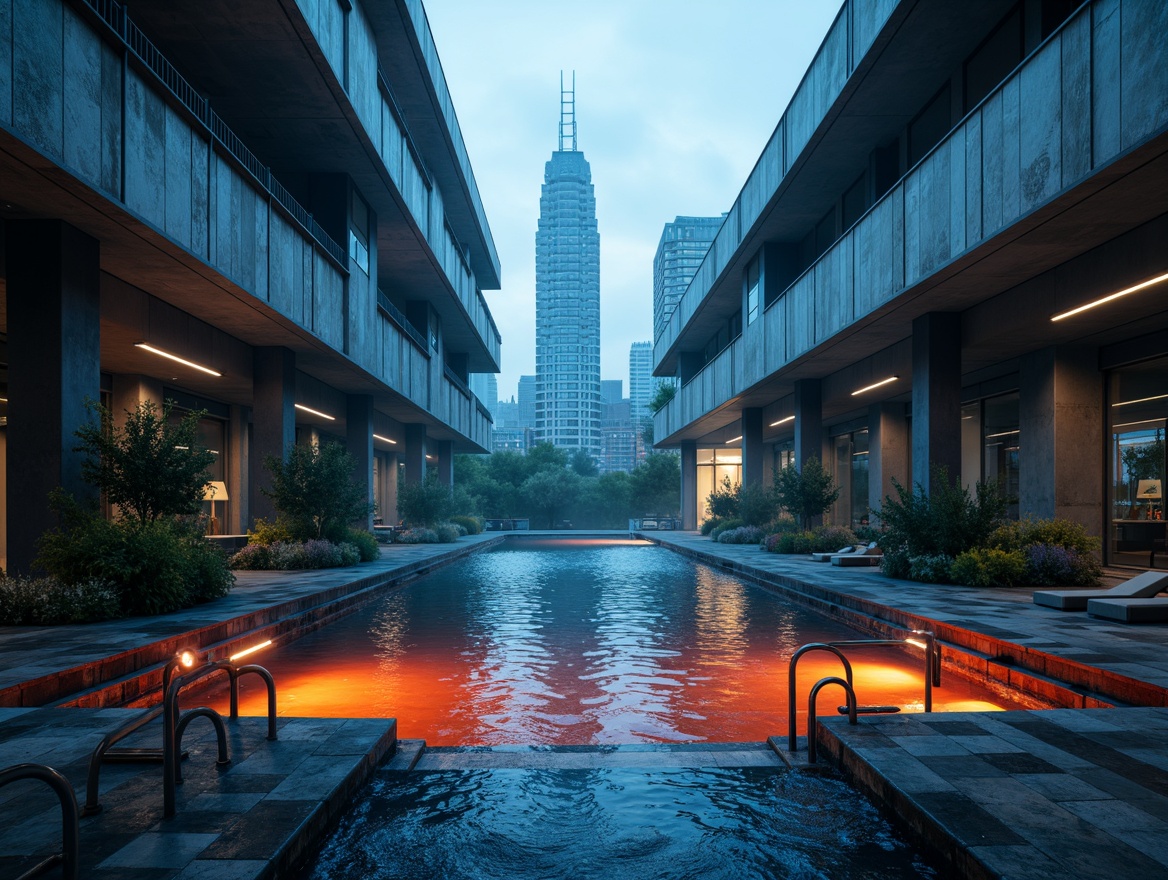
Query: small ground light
x,y
187,658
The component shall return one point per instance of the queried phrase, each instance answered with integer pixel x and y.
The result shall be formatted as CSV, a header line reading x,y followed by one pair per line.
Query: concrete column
x,y
689,484
445,463
1061,424
54,367
238,470
808,420
359,443
414,455
273,419
888,445
752,458
130,391
936,396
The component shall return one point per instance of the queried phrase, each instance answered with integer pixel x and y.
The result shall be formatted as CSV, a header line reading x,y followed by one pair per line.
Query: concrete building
x,y
527,402
641,386
951,252
683,246
567,297
259,209
618,446
485,386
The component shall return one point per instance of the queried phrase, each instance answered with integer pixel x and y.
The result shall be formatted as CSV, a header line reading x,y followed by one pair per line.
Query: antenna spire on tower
x,y
568,113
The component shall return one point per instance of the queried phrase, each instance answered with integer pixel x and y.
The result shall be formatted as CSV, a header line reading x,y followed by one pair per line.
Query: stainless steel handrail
x,y
812,721
70,831
932,657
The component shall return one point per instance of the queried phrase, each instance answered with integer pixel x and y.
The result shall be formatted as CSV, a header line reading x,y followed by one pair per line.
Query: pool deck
x,y
1079,792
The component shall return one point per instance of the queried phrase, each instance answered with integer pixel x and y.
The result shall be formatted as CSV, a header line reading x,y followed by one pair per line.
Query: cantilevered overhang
x,y
263,72
912,54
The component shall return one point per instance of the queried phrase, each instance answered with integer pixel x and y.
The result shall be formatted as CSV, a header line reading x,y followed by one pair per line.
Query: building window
x,y
359,232
1137,464
714,468
929,127
851,476
1001,443
752,291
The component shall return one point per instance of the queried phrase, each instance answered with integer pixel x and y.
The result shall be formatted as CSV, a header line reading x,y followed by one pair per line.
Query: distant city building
x,y
618,438
641,385
682,248
611,391
567,297
513,439
527,402
485,386
506,413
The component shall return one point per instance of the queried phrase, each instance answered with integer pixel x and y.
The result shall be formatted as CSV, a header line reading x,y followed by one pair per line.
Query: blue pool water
x,y
614,824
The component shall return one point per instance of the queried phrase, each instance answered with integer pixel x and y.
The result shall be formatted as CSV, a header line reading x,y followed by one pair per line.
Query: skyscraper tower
x,y
567,296
680,252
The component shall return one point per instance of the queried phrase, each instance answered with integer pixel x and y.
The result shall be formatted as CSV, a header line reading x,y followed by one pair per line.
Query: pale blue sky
x,y
675,100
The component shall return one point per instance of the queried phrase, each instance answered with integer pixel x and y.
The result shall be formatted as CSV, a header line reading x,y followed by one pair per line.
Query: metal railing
x,y
398,317
174,724
70,831
114,15
932,676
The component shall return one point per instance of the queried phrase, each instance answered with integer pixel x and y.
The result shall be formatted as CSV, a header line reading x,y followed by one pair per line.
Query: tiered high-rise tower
x,y
680,252
567,296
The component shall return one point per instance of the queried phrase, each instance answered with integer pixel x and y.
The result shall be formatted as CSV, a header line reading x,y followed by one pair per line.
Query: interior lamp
x,y
214,491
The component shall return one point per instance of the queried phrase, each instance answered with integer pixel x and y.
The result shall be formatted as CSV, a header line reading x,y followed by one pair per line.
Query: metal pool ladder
x,y
923,639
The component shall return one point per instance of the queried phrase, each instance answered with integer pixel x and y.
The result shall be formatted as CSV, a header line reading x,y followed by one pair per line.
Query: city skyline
x,y
642,78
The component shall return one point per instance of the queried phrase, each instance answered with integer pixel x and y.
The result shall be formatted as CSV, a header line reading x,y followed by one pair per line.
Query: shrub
x,y
365,544
47,601
1056,532
155,567
784,522
253,557
1051,565
264,532
725,526
895,562
425,502
828,538
947,522
932,568
321,554
723,501
805,492
314,491
989,567
756,505
741,535
350,554
710,524
417,536
472,524
447,533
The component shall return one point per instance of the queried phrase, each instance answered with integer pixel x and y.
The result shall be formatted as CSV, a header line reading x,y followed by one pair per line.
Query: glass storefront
x,y
990,446
1137,415
850,469
715,466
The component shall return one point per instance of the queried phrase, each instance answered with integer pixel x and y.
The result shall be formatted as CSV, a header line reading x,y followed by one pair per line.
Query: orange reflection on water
x,y
589,644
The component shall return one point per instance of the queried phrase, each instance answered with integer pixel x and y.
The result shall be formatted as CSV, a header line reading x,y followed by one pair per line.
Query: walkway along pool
x,y
572,641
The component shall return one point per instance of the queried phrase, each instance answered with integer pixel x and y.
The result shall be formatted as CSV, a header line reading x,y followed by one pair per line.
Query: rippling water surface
x,y
574,641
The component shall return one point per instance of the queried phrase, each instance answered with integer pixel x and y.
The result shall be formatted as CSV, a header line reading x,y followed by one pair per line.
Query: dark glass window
x,y
994,59
930,126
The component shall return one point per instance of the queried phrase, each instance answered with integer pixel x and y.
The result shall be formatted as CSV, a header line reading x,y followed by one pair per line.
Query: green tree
x,y
315,493
662,394
151,466
722,502
656,484
544,456
549,492
805,492
946,522
583,464
424,503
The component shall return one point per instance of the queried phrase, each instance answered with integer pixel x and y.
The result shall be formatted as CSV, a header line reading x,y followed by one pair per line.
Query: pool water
x,y
618,824
581,642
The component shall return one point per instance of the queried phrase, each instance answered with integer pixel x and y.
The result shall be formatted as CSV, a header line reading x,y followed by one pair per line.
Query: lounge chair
x,y
1130,610
1142,586
870,555
826,557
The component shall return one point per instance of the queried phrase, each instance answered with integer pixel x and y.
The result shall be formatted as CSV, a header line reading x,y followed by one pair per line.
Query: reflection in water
x,y
580,642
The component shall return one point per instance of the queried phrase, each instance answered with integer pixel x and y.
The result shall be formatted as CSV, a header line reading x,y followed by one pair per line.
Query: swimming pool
x,y
614,824
580,641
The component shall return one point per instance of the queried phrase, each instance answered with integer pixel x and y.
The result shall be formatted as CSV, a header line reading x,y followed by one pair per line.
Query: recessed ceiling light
x,y
875,385
782,421
314,412
384,439
176,359
735,440
1110,297
1140,400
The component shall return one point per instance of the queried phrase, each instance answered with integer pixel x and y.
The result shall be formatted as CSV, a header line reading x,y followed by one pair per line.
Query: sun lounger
x,y
826,557
1130,610
1142,586
869,555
